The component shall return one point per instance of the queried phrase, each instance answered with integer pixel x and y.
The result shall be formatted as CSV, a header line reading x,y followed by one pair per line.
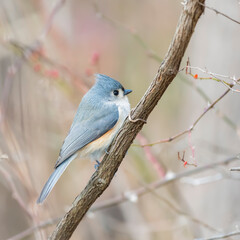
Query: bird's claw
x,y
96,165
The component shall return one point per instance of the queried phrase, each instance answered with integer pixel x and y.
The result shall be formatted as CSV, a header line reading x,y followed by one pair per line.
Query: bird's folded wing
x,y
84,132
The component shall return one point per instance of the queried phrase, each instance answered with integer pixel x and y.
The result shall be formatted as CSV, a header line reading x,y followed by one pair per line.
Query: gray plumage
x,y
99,112
81,133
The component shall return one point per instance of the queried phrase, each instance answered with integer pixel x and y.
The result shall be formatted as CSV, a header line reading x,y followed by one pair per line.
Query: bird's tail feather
x,y
54,178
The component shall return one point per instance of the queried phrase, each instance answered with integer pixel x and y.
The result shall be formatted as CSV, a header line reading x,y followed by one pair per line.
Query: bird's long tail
x,y
54,178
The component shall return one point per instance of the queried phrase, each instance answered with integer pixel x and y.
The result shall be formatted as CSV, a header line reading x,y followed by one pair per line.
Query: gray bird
x,y
99,117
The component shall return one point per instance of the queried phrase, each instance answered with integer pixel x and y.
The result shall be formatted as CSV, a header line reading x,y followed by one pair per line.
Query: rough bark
x,y
168,69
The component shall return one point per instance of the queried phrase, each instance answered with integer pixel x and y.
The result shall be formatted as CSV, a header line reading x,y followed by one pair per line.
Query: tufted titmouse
x,y
100,115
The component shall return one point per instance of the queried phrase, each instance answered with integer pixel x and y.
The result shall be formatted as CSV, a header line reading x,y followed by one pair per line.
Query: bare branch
x,y
104,174
191,127
216,77
35,46
231,234
150,156
179,211
151,53
235,169
160,183
31,230
126,196
14,191
218,12
49,22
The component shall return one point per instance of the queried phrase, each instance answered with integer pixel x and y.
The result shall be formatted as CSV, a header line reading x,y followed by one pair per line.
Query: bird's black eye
x,y
115,92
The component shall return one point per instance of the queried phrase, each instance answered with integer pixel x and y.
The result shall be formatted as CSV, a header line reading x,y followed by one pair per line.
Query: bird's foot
x,y
96,165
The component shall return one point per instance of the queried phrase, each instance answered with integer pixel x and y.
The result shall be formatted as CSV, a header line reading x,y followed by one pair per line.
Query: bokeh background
x,y
48,59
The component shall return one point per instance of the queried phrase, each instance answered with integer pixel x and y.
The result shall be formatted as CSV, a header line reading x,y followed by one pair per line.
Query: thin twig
x,y
12,71
218,12
126,196
173,207
149,155
31,230
235,169
14,191
191,127
167,71
185,163
35,46
49,22
180,212
231,234
155,56
160,183
132,32
44,62
7,86
215,77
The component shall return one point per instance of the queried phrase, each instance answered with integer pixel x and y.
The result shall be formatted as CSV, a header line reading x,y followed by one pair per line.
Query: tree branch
x,y
218,12
190,129
126,196
121,198
222,236
168,69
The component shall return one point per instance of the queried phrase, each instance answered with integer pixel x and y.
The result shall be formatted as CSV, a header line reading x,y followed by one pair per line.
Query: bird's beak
x,y
127,91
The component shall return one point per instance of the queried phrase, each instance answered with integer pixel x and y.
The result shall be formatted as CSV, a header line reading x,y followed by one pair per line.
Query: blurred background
x,y
49,53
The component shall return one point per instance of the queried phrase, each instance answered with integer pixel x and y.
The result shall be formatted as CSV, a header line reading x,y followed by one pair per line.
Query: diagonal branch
x,y
222,236
220,13
190,129
126,196
167,71
58,5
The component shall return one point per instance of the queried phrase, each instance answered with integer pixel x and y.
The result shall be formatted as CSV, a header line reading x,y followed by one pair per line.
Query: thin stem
x,y
124,197
189,129
222,236
218,12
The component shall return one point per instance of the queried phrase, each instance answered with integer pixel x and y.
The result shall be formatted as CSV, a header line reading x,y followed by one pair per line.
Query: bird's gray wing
x,y
84,132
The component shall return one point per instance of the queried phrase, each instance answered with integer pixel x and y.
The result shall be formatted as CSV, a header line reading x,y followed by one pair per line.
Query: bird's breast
x,y
96,148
